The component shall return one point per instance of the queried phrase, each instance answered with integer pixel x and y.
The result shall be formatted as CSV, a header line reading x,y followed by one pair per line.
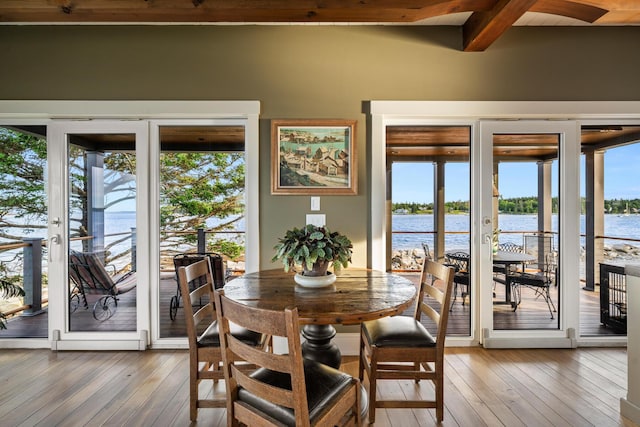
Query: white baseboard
x,y
630,410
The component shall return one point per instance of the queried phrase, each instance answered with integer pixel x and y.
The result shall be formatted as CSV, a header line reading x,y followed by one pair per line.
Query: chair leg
x,y
439,383
466,294
515,295
550,303
361,362
373,364
193,393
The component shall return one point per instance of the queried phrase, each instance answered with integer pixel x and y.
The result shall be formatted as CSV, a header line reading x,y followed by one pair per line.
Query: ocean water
x,y
614,226
457,227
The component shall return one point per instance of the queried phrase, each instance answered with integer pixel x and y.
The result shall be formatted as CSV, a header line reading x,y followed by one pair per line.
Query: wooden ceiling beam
x,y
570,9
483,28
401,11
488,21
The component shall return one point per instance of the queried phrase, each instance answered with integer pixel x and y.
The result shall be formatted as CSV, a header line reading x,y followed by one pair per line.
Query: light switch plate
x,y
315,203
319,220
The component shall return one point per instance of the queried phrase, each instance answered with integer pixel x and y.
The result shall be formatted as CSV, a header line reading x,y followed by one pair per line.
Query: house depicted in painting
x,y
323,162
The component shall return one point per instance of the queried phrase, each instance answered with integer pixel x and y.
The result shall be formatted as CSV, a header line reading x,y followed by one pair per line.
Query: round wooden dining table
x,y
356,296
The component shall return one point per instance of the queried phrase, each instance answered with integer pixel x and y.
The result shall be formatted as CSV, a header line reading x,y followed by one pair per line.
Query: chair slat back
x,y
459,260
277,324
197,272
510,247
436,283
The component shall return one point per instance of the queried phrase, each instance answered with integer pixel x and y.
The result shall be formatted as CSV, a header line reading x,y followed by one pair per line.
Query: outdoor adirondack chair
x,y
89,276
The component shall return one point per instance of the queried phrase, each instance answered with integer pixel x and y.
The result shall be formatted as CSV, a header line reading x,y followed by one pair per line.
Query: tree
x,y
23,201
196,187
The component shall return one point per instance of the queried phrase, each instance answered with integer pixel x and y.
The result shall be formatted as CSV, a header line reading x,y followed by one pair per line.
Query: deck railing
x,y
32,264
429,239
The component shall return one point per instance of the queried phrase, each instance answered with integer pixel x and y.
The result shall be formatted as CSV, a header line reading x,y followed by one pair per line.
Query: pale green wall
x,y
315,72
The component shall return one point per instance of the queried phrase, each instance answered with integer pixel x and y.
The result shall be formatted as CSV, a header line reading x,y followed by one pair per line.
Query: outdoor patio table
x,y
508,259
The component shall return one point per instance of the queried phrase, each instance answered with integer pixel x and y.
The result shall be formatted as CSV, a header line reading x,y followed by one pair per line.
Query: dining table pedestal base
x,y
319,346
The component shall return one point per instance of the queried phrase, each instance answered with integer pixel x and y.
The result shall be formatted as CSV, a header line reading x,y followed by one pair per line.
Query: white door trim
x,y
45,112
384,113
569,181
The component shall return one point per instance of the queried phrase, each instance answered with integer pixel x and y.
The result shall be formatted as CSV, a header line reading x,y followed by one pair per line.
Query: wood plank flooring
x,y
580,387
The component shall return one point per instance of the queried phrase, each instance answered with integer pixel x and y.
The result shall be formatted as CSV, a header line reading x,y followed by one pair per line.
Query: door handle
x,y
53,240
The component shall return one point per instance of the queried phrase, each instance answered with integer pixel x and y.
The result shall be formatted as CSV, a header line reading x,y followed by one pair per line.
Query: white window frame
x,y
385,113
47,112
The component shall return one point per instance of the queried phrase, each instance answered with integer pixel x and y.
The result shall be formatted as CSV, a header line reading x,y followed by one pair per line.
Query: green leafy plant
x,y
8,290
313,245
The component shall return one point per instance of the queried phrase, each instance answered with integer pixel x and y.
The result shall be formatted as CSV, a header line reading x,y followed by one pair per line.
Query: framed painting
x,y
313,157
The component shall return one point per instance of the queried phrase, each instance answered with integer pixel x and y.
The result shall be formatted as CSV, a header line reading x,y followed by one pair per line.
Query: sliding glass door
x,y
528,195
201,205
98,233
429,170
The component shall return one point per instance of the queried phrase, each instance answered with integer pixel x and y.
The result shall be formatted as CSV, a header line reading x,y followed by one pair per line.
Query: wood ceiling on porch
x,y
404,143
482,21
172,138
451,143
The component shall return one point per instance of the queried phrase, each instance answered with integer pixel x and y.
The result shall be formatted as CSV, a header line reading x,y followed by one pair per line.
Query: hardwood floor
x,y
580,387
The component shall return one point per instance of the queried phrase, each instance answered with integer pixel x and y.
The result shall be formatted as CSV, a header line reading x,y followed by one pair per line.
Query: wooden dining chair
x,y
286,389
205,356
400,347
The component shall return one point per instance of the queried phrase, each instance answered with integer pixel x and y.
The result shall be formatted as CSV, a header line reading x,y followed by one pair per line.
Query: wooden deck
x,y
532,314
559,387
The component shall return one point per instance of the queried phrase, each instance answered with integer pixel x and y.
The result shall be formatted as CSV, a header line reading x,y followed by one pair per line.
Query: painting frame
x,y
313,157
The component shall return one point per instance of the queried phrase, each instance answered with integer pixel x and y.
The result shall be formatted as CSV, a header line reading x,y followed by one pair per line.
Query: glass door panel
x,y
202,207
609,224
23,222
529,192
525,244
431,207
102,237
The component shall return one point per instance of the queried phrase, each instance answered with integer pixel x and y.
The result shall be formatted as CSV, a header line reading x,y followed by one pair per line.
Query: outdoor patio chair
x,y
460,262
538,245
401,348
539,282
218,272
89,276
427,252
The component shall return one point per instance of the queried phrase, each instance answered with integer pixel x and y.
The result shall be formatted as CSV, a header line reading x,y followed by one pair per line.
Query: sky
x,y
413,182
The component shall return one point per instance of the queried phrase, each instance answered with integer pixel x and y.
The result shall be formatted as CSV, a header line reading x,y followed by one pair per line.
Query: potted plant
x,y
8,290
313,248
